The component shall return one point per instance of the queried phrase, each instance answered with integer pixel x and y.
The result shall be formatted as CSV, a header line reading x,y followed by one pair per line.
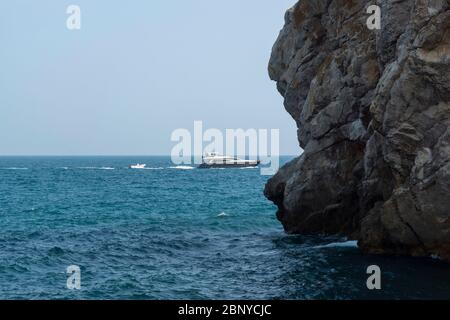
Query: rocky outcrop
x,y
372,109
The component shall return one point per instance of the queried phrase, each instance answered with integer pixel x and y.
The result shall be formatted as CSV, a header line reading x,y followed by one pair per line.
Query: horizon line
x,y
118,155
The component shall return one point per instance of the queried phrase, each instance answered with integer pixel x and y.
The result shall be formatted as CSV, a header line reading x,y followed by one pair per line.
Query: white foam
x,y
96,168
346,244
182,167
14,168
249,167
223,214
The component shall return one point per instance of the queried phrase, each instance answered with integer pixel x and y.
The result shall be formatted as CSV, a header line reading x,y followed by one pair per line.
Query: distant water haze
x,y
135,72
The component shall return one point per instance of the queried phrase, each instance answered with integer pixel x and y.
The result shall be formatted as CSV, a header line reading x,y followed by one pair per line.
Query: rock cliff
x,y
372,109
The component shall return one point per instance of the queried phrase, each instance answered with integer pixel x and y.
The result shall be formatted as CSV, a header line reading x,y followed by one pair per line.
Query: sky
x,y
136,71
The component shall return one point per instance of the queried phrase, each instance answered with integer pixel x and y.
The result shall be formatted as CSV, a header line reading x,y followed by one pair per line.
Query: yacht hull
x,y
228,165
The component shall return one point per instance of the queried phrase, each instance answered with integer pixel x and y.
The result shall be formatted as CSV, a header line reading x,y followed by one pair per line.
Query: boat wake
x,y
182,167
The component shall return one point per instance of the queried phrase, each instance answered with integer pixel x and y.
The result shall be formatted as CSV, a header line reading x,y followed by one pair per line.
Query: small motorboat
x,y
137,166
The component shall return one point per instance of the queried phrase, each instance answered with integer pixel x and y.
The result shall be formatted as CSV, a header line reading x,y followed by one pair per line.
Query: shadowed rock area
x,y
372,109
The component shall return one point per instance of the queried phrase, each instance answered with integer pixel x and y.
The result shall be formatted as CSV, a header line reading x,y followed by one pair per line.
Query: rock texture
x,y
372,109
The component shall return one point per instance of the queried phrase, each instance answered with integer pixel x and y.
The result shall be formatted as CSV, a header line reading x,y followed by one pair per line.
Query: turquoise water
x,y
174,233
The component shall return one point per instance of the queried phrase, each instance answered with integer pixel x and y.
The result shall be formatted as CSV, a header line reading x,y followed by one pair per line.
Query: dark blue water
x,y
174,233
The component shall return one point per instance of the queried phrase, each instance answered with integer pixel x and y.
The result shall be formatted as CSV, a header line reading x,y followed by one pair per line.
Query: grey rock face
x,y
372,109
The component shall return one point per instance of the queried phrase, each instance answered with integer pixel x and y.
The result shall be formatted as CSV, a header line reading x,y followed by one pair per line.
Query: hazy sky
x,y
135,71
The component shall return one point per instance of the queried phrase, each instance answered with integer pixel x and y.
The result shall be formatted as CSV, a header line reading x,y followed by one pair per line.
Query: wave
x,y
56,251
97,168
182,167
146,168
346,244
14,168
223,214
249,168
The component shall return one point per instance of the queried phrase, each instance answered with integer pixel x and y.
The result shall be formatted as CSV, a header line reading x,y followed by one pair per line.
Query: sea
x,y
175,232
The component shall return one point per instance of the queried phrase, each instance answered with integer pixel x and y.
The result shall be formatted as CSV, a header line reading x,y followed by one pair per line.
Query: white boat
x,y
138,166
214,160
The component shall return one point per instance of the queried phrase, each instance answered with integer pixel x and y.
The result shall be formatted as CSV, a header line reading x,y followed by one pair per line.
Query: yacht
x,y
214,160
137,166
